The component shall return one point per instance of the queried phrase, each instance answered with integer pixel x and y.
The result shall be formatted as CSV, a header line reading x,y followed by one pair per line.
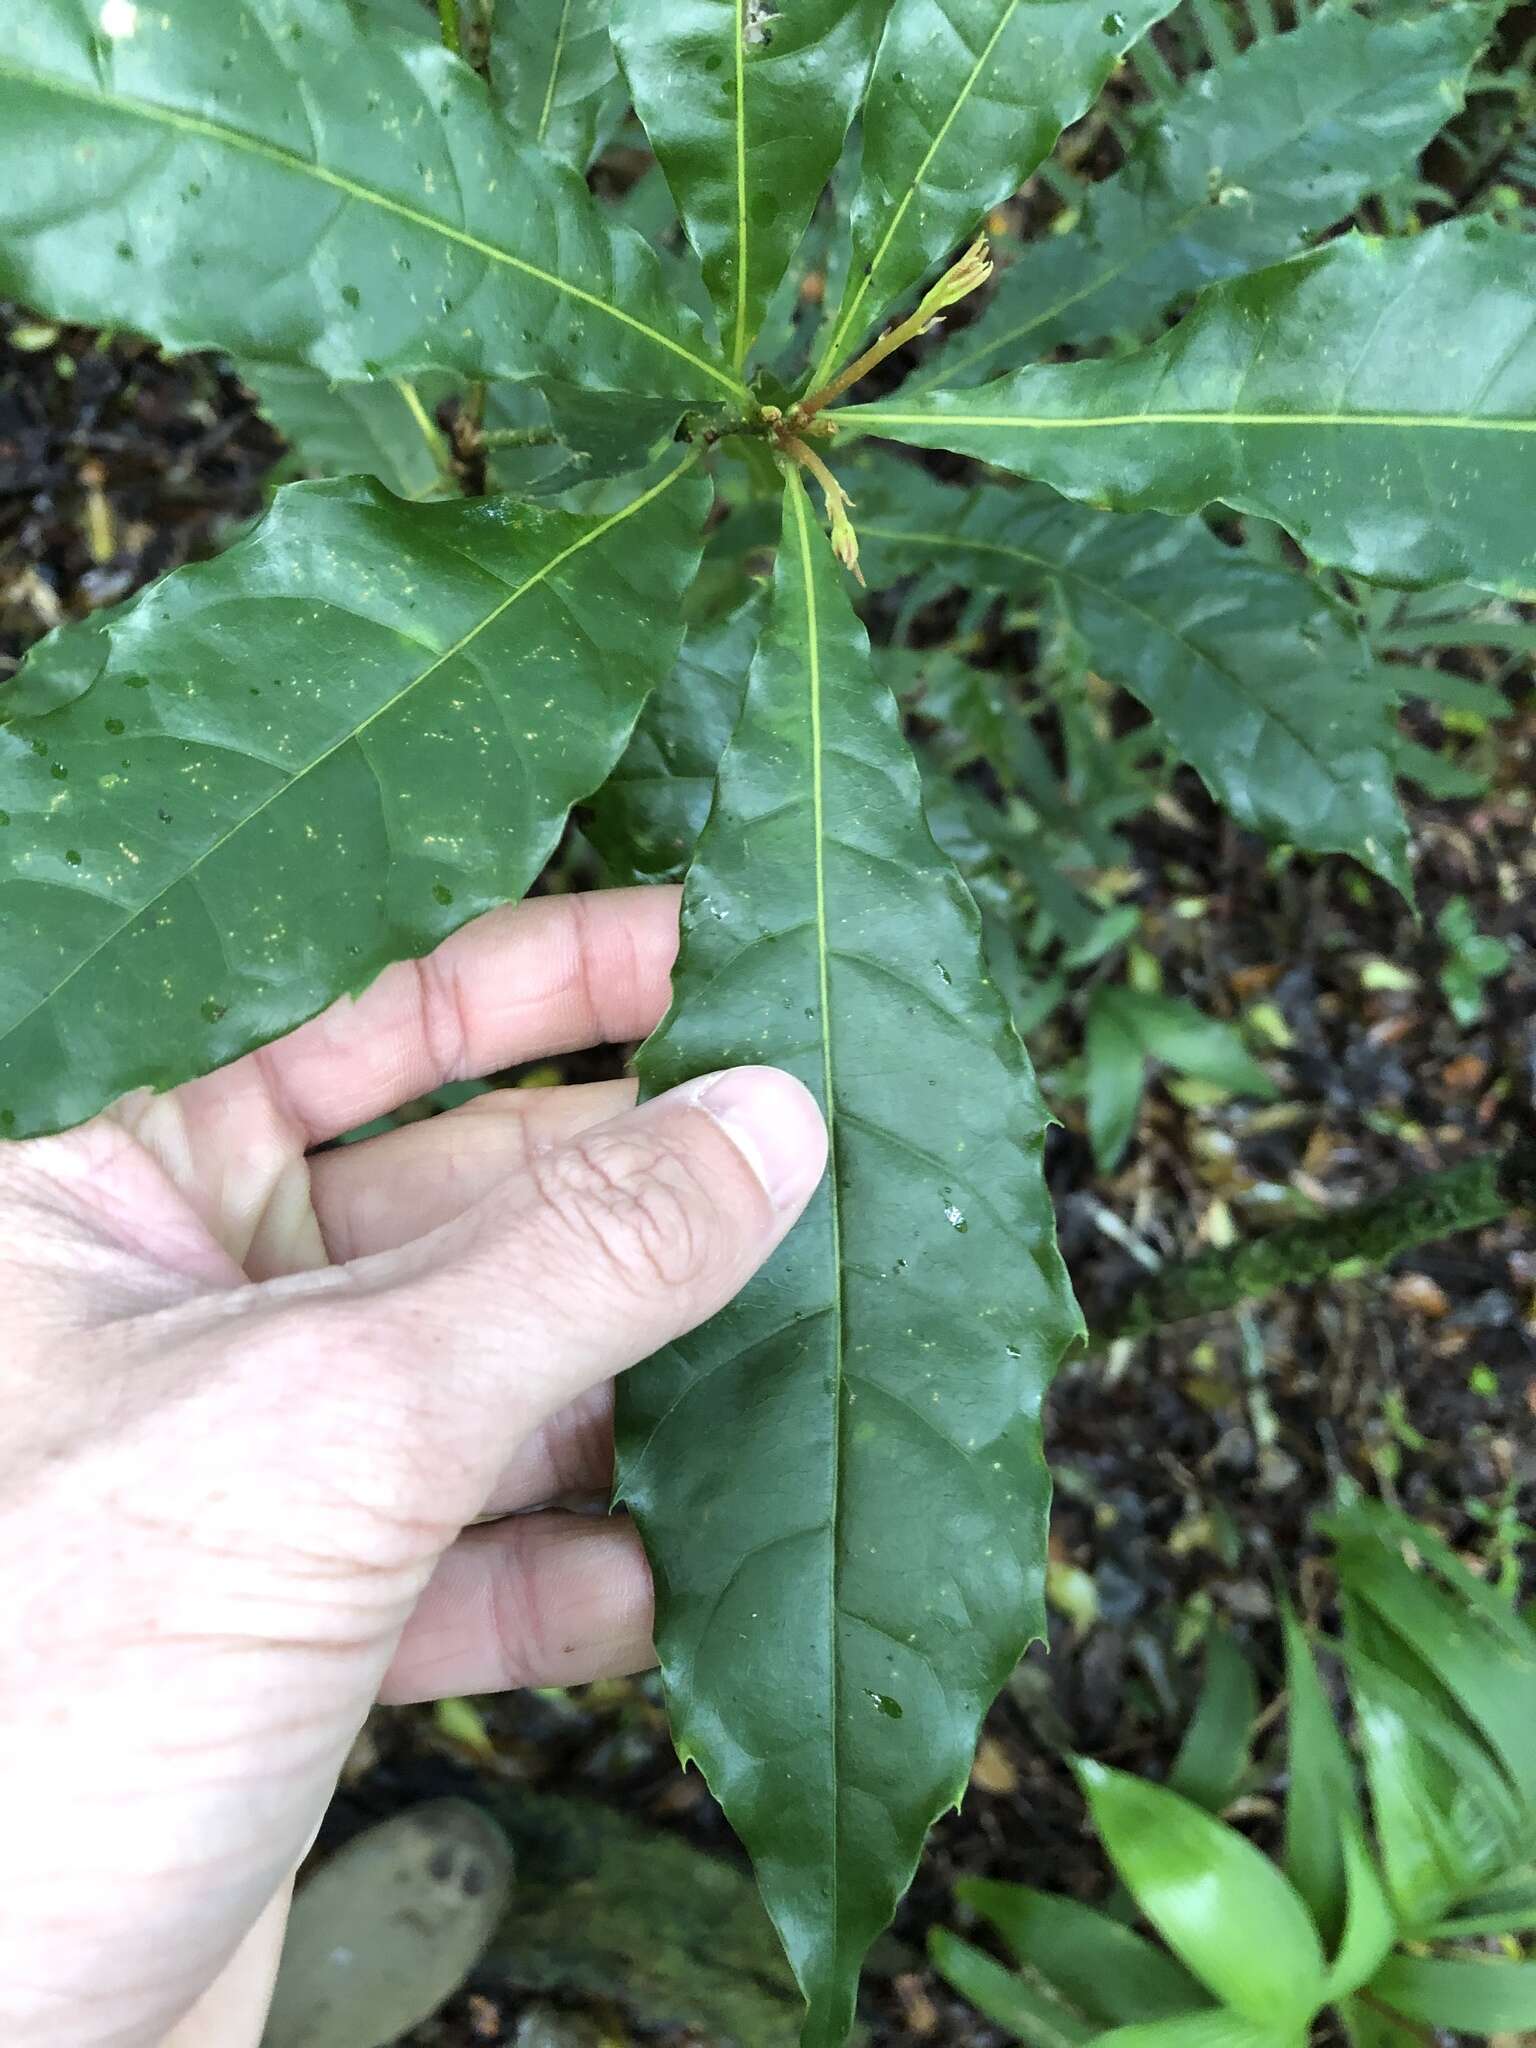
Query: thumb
x,y
617,1241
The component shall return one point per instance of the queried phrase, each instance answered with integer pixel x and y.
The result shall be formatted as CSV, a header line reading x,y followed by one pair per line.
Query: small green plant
x,y
243,794
1472,958
1416,1929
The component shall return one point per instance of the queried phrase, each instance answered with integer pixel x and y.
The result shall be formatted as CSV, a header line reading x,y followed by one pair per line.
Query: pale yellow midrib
x,y
823,955
452,653
739,345
365,195
554,71
876,416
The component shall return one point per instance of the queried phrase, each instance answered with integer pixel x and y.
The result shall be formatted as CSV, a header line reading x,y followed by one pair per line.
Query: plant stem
x,y
519,437
1368,1233
448,21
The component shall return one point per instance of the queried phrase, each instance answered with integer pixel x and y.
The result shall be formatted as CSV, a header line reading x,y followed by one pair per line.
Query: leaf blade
x,y
747,122
1227,407
646,819
959,85
409,262
1284,140
1221,1906
554,74
1250,671
798,924
354,705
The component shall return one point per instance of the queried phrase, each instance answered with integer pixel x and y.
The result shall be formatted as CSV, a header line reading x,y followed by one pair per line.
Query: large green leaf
x,y
646,819
1029,2012
1446,1821
554,74
829,1653
1220,1904
1126,1030
1218,2029
966,99
746,108
1215,1751
1105,1970
1472,1996
275,772
1475,1645
1280,142
205,199
1370,1929
1253,675
384,429
1306,393
1321,1801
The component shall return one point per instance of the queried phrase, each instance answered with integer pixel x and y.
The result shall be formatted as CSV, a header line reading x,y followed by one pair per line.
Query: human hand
x,y
251,1398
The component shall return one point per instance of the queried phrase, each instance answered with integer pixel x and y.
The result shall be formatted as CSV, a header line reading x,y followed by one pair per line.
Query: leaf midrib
x,y
556,60
876,416
839,1306
739,344
285,788
365,195
847,319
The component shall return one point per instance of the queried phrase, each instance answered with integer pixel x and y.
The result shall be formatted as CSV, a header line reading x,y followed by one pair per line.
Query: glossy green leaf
x,y
828,1654
1221,1906
273,773
1370,1924
746,107
1505,1909
1474,1644
1114,1077
1214,1753
1304,393
202,202
1104,1970
1368,2026
554,74
417,17
1126,1029
646,819
966,99
1445,1820
1482,1997
1030,2014
1254,676
1203,2030
385,430
1320,1797
1247,157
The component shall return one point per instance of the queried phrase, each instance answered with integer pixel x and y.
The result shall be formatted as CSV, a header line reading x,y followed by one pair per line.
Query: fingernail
x,y
774,1124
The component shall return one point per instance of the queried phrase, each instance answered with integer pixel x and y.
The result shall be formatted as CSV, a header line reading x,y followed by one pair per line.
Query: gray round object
x,y
389,1928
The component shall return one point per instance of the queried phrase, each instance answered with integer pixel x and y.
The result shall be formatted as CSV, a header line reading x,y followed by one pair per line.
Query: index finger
x,y
552,974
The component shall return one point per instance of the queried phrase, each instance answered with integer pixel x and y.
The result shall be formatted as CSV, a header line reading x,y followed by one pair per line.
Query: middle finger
x,y
387,1191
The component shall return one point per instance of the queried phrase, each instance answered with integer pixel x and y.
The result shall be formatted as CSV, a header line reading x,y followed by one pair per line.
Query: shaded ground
x,y
1189,1466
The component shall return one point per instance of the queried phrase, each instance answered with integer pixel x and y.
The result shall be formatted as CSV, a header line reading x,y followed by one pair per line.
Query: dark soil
x,y
1188,1466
